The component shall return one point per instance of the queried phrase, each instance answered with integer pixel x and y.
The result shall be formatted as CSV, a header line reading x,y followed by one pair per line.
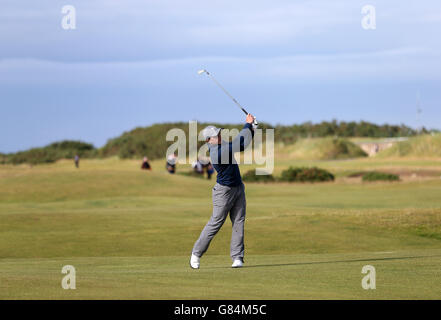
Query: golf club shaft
x,y
226,92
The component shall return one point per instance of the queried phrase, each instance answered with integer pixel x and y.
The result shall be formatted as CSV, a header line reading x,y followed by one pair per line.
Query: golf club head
x,y
202,71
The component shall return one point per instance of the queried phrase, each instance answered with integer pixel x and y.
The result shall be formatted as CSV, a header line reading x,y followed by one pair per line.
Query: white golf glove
x,y
254,125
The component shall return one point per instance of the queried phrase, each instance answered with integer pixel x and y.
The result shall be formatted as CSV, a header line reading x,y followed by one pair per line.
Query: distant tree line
x,y
150,141
51,153
289,134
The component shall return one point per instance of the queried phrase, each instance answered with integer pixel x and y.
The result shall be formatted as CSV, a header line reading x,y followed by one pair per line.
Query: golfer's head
x,y
212,135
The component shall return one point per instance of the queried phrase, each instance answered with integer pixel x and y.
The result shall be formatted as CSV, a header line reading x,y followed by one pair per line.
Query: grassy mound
x,y
420,146
325,149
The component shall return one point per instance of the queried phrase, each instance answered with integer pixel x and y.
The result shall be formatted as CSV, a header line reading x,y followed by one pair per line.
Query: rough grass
x,y
325,149
419,146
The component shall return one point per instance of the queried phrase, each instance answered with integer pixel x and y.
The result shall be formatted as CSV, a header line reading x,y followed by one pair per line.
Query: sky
x,y
133,63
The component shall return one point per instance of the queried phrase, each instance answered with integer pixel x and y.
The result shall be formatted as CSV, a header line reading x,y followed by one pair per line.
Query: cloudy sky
x,y
134,62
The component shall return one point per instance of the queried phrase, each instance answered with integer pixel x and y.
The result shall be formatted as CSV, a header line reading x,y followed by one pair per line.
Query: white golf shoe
x,y
238,263
194,261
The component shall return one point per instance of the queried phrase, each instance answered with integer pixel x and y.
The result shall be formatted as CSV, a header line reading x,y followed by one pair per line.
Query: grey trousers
x,y
225,200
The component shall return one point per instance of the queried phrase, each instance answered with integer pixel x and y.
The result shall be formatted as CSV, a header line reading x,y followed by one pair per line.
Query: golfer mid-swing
x,y
228,192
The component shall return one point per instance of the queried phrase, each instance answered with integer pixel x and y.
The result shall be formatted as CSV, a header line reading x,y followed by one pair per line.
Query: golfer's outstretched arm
x,y
224,153
244,137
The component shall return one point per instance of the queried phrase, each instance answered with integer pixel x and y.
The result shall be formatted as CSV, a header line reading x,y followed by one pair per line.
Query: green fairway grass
x,y
129,233
400,275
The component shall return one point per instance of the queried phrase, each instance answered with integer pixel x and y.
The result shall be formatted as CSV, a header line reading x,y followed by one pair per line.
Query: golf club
x,y
226,92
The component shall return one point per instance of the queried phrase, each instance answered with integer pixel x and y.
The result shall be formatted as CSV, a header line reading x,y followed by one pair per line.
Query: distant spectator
x,y
77,161
210,170
171,163
198,167
145,164
207,166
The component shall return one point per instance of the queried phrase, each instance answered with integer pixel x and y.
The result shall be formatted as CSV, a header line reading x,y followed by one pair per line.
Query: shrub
x,y
304,174
344,149
251,176
380,176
